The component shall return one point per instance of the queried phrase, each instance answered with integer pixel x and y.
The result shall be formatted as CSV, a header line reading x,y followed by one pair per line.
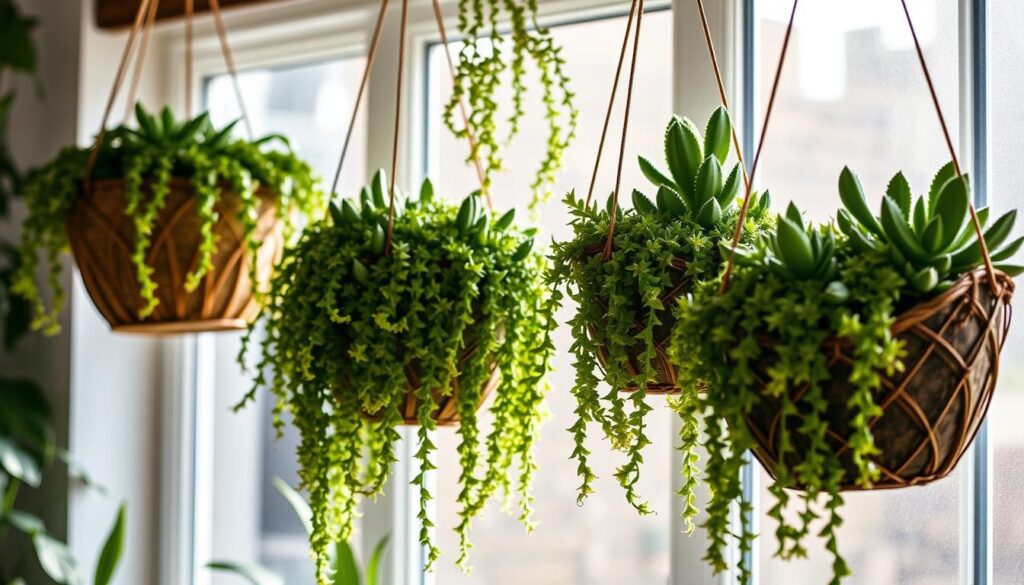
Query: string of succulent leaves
x,y
147,157
661,248
349,327
799,286
488,54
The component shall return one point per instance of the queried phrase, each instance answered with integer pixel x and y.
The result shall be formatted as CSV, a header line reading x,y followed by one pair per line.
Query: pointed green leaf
x,y
642,204
349,213
710,213
505,220
731,189
795,248
920,215
110,556
951,205
379,189
374,569
670,203
360,272
708,184
931,237
793,214
717,135
336,215
945,174
683,152
295,499
899,233
55,559
1011,270
654,175
1008,251
899,190
344,566
19,462
522,251
426,192
852,195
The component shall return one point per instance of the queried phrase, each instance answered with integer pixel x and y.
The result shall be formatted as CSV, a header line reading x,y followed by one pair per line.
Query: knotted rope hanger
x,y
370,59
976,223
145,18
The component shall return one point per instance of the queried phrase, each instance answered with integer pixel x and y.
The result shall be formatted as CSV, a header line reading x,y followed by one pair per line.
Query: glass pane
x,y
311,105
605,542
853,94
1007,125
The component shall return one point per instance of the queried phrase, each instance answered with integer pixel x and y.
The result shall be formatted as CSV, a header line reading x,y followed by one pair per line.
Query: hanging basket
x,y
932,410
102,240
665,373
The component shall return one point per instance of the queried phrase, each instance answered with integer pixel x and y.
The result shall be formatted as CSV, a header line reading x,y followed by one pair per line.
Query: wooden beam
x,y
111,14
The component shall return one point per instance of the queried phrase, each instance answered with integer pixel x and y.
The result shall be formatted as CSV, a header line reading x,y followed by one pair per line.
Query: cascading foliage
x,y
669,243
147,157
800,286
488,55
349,325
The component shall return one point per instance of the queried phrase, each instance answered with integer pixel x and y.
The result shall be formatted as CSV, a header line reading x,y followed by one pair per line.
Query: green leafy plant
x,y
27,449
661,248
158,149
931,239
799,286
344,568
17,55
489,54
355,314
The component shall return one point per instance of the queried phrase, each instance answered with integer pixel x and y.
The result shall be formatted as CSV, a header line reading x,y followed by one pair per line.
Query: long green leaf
x,y
683,152
55,559
899,233
374,569
899,190
852,195
110,556
795,248
951,205
717,135
346,570
654,175
295,499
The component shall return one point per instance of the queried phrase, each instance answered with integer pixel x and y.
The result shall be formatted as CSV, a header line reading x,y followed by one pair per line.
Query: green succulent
x,y
930,239
695,186
625,303
348,316
160,147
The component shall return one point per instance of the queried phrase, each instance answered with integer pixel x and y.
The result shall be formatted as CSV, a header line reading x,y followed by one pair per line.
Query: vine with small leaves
x,y
352,329
800,286
487,55
146,158
671,242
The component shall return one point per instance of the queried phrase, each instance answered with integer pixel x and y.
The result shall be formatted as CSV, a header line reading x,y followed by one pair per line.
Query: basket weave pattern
x,y
102,240
665,373
932,410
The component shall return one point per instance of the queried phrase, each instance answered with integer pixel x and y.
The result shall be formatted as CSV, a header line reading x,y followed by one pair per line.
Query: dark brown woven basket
x,y
665,377
102,240
446,412
933,409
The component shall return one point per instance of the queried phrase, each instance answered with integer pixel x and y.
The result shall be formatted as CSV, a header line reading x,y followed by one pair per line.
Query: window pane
x,y
1005,87
311,105
853,94
605,542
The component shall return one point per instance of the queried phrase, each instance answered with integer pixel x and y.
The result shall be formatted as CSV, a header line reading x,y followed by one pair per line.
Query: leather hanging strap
x,y
140,61
229,62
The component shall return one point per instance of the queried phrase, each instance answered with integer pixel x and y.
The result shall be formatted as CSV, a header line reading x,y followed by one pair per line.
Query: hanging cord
x,y
140,60
119,78
625,127
371,56
462,106
229,61
721,89
611,102
398,126
741,220
952,152
189,12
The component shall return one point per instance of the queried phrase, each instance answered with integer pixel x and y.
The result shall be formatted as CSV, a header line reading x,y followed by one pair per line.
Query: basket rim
x,y
175,181
963,285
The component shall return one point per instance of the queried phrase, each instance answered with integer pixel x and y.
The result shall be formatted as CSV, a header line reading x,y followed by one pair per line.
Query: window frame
x,y
292,34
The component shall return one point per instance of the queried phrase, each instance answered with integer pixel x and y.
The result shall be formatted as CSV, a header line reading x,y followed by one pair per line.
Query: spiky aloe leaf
x,y
505,220
945,174
795,248
683,152
671,203
852,195
717,135
920,215
899,190
708,184
931,236
426,192
710,213
731,187
642,204
898,231
654,175
951,205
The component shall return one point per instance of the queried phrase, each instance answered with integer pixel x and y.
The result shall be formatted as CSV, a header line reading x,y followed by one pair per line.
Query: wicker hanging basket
x,y
665,372
933,409
102,240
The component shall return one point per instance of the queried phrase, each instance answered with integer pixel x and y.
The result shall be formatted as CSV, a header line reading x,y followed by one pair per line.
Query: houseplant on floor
x,y
408,312
174,225
861,356
626,284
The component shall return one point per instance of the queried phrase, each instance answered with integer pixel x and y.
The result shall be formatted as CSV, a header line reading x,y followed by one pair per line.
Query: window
x,y
251,522
853,94
637,552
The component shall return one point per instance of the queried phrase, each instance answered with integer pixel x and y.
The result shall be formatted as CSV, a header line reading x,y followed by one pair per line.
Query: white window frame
x,y
295,33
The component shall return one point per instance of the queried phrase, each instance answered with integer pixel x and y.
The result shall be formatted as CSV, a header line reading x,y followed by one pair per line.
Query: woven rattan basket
x,y
933,409
665,377
446,412
102,239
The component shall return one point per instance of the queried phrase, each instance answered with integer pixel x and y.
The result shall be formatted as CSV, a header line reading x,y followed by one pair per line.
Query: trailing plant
x,y
344,568
359,318
488,54
800,286
661,248
146,158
